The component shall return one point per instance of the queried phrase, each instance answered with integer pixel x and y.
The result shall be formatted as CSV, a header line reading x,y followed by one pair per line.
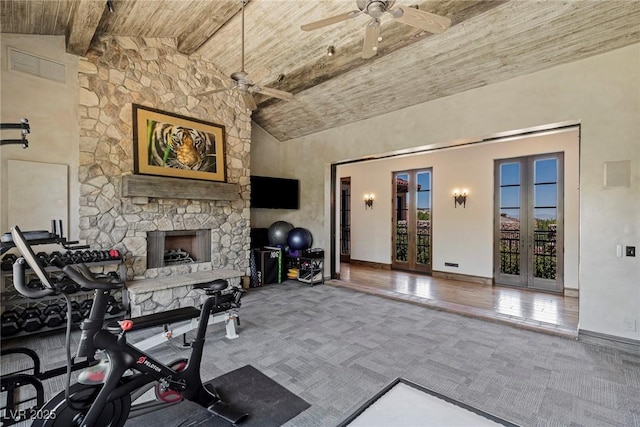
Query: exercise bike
x,y
109,404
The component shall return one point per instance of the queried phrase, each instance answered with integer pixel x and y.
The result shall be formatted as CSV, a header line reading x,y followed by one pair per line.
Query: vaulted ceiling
x,y
488,41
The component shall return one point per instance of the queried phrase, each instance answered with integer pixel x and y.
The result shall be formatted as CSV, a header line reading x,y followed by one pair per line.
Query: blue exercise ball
x,y
299,238
278,232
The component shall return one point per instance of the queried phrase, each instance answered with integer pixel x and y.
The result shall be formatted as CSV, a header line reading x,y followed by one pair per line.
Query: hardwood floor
x,y
544,312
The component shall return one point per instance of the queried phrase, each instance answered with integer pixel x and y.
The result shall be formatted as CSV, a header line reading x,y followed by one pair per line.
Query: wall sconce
x,y
459,198
368,201
331,50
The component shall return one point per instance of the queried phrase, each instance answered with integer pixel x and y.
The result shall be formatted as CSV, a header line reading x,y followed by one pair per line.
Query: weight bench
x,y
225,309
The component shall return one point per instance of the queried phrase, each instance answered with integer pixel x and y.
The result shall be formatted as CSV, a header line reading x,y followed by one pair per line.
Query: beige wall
x,y
266,161
602,93
51,108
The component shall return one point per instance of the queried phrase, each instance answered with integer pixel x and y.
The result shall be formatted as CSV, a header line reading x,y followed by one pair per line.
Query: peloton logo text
x,y
143,361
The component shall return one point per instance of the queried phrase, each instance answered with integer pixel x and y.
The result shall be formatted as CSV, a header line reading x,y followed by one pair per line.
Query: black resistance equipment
x,y
41,237
24,128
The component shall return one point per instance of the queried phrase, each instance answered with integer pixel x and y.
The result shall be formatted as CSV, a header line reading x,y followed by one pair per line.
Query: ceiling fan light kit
x,y
414,17
245,86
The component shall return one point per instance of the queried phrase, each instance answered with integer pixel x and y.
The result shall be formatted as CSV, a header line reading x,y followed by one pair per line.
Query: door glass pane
x,y
545,195
510,197
510,218
402,211
546,170
545,218
423,218
510,174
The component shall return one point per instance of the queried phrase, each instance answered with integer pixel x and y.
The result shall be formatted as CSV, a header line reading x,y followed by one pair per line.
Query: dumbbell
x,y
56,259
85,307
31,319
34,284
76,312
67,257
114,254
95,256
7,261
86,256
10,323
43,257
114,306
67,286
53,315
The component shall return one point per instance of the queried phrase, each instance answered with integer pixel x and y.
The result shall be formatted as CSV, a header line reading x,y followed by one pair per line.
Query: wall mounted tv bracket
x,y
23,126
42,237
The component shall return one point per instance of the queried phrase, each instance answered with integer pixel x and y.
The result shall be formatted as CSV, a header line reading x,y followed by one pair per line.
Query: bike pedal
x,y
226,412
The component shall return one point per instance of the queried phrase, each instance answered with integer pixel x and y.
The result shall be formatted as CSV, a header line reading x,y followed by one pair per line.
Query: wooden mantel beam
x,y
83,22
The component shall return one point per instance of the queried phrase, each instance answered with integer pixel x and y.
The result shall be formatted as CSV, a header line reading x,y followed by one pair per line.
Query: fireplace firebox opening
x,y
166,248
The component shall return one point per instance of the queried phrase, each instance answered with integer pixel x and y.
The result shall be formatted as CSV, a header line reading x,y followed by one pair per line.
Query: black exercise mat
x,y
247,389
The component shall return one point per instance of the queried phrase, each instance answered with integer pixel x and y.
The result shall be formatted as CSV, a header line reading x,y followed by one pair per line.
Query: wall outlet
x,y
630,325
631,250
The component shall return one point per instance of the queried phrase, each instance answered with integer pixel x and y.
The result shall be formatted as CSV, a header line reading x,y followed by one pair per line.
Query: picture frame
x,y
171,145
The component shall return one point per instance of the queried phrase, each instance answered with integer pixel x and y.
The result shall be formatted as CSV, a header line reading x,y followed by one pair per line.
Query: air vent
x,y
37,66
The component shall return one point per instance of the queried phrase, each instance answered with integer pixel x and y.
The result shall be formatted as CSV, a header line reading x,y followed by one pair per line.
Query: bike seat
x,y
213,286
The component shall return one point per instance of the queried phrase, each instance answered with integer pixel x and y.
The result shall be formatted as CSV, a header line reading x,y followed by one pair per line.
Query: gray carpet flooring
x,y
336,348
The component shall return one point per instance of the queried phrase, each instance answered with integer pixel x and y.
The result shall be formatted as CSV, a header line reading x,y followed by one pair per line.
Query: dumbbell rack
x,y
12,300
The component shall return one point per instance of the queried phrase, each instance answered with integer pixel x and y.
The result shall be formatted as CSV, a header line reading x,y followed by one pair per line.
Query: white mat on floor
x,y
404,405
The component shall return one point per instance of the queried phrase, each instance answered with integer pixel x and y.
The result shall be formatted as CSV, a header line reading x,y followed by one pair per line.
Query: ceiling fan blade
x,y
276,93
371,34
420,19
249,102
329,21
209,92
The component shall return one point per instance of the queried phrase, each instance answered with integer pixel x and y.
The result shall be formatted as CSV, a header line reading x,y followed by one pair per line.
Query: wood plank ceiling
x,y
489,41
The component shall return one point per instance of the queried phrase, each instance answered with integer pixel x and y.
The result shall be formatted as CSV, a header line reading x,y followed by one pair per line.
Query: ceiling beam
x,y
395,36
83,22
194,37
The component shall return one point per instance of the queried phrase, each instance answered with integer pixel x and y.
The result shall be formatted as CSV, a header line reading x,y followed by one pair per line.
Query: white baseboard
x,y
619,343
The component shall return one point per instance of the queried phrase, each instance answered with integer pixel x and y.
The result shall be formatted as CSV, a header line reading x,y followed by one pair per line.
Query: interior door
x,y
529,242
412,220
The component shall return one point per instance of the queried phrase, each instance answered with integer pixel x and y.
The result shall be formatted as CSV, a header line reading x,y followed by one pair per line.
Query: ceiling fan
x,y
245,86
376,9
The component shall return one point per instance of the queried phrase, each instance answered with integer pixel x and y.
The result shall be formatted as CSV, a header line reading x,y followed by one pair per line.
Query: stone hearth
x,y
148,296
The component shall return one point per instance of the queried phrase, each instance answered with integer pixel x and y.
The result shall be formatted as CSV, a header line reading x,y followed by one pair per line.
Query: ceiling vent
x,y
37,66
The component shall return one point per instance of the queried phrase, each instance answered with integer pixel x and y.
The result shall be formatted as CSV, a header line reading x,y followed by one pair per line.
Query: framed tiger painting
x,y
167,144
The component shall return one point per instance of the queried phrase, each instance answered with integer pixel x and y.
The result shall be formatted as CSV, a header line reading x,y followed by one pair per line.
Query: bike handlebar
x,y
81,274
20,285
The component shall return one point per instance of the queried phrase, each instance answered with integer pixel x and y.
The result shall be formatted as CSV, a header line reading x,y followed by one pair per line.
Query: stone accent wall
x,y
117,72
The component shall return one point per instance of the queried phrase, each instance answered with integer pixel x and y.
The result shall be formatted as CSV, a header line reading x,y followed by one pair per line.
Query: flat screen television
x,y
274,193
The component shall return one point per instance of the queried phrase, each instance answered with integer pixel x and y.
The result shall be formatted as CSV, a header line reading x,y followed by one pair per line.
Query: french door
x,y
529,243
412,220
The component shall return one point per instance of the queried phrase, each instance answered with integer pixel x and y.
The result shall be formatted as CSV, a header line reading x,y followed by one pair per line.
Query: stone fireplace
x,y
128,212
